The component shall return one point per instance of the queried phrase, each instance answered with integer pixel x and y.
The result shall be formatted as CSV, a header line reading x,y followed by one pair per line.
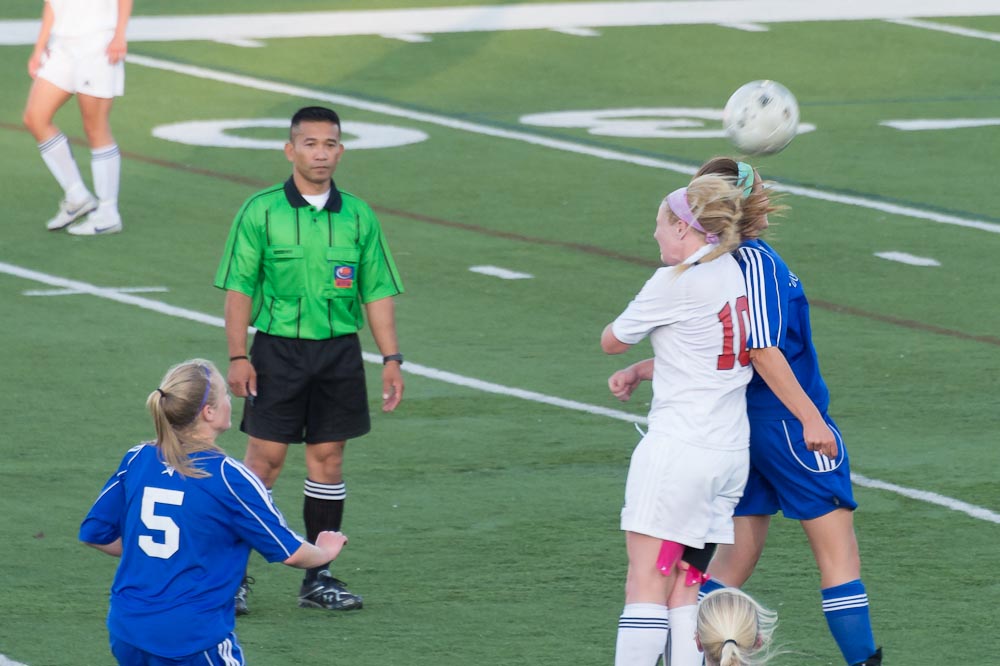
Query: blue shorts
x,y
786,476
226,653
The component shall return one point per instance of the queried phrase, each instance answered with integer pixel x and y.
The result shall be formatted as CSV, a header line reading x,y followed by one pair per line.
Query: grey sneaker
x,y
329,593
241,596
70,212
101,221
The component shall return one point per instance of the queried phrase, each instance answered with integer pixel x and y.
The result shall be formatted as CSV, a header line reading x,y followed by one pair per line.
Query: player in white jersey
x,y
80,51
688,472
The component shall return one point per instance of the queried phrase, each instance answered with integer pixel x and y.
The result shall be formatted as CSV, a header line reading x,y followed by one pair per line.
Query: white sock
x,y
683,624
106,164
642,635
58,158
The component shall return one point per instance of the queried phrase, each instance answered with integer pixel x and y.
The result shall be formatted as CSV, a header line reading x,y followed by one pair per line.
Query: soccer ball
x,y
761,117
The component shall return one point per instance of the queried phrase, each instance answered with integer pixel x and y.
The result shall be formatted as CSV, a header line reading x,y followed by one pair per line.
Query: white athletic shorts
x,y
79,65
683,493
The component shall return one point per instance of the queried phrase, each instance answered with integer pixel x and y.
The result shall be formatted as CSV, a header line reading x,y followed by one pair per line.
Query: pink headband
x,y
678,203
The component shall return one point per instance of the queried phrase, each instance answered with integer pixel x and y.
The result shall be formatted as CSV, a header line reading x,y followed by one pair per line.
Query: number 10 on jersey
x,y
734,347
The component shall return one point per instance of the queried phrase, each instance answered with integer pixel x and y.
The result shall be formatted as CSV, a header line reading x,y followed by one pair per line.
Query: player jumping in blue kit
x,y
798,462
183,516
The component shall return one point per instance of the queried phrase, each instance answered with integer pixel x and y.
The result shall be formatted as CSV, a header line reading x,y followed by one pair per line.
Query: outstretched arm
x,y
328,546
771,364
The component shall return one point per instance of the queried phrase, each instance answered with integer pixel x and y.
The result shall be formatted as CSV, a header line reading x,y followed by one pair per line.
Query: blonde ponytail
x,y
176,407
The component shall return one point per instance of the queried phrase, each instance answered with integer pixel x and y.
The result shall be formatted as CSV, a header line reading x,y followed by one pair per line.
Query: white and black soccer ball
x,y
761,117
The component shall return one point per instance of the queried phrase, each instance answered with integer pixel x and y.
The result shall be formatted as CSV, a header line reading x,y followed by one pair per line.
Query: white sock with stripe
x,y
58,157
683,624
106,165
642,635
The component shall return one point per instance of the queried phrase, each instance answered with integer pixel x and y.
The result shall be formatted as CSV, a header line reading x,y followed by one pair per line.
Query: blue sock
x,y
710,585
846,610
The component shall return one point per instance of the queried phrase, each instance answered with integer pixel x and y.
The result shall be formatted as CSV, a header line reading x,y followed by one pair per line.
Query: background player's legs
x,y
642,627
105,165
845,601
683,614
734,563
323,509
325,492
265,458
44,99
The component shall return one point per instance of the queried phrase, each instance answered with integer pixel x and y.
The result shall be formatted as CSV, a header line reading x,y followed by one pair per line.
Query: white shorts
x,y
79,65
683,493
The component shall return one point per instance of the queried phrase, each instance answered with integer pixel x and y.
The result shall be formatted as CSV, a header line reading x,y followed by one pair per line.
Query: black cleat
x,y
241,596
874,660
329,593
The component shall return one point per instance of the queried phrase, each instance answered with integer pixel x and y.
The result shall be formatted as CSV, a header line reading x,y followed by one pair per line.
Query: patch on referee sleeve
x,y
343,277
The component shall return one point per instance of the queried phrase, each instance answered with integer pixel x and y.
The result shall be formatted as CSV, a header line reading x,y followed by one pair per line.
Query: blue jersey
x,y
779,317
185,544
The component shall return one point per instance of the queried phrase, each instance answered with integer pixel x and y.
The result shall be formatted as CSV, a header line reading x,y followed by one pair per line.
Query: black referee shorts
x,y
307,390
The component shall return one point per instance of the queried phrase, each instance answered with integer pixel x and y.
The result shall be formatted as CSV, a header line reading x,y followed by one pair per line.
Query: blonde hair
x,y
755,206
176,407
717,204
734,630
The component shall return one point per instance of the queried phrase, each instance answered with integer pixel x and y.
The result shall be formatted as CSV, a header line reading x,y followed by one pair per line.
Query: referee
x,y
301,260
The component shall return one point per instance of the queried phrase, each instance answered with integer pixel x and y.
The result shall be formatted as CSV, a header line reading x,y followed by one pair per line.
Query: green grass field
x,y
483,525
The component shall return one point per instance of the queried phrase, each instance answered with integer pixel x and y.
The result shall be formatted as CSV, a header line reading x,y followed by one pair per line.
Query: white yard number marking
x,y
216,133
640,123
171,533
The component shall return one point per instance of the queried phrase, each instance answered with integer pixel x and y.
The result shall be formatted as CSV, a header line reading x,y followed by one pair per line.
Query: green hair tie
x,y
744,178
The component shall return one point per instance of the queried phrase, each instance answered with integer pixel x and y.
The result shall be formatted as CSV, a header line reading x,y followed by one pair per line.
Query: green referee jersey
x,y
308,270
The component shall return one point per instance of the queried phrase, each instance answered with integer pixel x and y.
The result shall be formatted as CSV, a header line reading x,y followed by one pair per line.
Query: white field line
x,y
929,497
536,140
977,512
71,292
907,258
951,29
502,273
922,125
527,16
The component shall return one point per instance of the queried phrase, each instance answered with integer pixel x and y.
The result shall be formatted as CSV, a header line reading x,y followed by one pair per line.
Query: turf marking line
x,y
944,27
73,292
929,497
907,258
502,273
971,510
234,28
537,140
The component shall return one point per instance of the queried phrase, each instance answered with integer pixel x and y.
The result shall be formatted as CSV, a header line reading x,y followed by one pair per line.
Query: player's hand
x,y
623,383
392,386
819,437
35,63
117,49
242,378
331,543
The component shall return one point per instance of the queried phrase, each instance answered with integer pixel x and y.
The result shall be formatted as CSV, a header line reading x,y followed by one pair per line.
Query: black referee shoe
x,y
329,593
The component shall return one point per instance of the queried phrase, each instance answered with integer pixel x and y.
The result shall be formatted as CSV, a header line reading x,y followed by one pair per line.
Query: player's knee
x,y
33,122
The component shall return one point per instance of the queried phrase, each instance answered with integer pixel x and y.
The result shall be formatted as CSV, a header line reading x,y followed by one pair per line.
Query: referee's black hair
x,y
314,114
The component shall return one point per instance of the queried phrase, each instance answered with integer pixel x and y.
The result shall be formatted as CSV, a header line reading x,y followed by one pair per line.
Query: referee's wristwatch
x,y
392,357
